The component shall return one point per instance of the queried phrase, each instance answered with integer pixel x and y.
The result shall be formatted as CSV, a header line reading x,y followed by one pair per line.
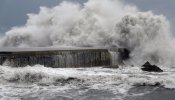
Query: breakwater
x,y
60,58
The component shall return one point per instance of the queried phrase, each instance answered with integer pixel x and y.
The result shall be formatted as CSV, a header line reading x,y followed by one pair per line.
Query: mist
x,y
98,23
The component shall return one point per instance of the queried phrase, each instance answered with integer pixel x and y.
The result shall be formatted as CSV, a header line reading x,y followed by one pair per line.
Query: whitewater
x,y
43,83
96,23
106,23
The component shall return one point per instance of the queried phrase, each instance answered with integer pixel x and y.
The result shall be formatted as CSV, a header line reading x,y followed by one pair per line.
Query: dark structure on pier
x,y
57,58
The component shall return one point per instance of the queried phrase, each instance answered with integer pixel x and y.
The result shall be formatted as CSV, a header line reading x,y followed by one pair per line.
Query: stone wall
x,y
58,58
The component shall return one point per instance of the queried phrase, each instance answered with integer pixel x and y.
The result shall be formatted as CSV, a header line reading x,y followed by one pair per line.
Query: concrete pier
x,y
58,58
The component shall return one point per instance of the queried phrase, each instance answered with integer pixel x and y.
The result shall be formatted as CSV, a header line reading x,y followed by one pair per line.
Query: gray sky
x,y
13,12
165,7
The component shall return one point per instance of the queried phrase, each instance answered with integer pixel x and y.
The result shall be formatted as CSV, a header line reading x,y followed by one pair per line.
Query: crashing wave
x,y
103,23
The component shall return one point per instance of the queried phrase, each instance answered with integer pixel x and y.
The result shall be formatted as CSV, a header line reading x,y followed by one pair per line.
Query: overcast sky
x,y
13,12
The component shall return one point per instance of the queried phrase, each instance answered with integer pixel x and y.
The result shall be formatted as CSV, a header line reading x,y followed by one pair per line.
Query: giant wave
x,y
98,23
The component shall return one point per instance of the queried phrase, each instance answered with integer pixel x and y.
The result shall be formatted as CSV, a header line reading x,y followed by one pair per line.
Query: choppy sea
x,y
125,83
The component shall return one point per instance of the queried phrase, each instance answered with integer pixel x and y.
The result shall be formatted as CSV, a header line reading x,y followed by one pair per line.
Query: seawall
x,y
60,58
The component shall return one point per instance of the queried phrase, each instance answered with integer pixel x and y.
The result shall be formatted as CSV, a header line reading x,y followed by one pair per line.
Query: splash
x,y
98,23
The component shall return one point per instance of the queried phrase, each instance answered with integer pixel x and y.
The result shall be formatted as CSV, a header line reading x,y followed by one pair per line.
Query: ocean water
x,y
125,83
93,24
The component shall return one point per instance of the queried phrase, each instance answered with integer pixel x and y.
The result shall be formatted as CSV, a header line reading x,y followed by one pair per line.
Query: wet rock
x,y
151,68
124,54
145,84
